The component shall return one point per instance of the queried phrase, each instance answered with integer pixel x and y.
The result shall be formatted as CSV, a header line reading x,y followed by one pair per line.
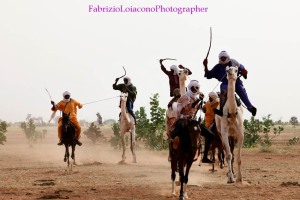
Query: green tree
x,y
93,133
115,141
3,130
142,127
294,121
32,135
155,135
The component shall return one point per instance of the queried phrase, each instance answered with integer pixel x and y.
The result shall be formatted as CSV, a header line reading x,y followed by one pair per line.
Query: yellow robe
x,y
210,114
69,107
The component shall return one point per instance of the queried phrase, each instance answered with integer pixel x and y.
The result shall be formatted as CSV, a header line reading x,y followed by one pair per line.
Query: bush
x,y
3,127
116,140
31,134
251,132
93,133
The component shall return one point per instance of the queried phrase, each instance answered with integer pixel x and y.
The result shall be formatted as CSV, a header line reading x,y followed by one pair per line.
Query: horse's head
x,y
65,121
232,72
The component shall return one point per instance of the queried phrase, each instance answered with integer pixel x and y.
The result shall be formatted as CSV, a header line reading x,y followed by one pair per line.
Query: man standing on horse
x,y
129,88
173,75
68,106
219,72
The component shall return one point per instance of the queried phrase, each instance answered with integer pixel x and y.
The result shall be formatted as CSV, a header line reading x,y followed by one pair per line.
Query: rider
x,y
129,88
173,75
68,106
210,106
219,72
187,106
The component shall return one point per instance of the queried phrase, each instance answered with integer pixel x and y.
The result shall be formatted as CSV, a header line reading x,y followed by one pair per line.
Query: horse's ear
x,y
69,114
227,68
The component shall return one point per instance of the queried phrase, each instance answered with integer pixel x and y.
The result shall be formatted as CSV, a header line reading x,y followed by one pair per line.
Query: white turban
x,y
129,80
175,69
214,96
66,93
190,93
224,54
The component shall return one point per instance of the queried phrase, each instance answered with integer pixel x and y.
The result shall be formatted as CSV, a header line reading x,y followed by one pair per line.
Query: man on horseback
x,y
173,75
187,106
129,88
210,125
209,109
219,72
68,106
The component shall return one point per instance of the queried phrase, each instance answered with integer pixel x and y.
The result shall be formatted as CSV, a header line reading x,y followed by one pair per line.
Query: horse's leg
x,y
132,144
221,155
73,153
66,153
239,157
67,156
181,175
186,177
173,172
230,178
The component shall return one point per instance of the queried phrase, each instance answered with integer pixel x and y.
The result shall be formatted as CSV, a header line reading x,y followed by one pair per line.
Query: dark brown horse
x,y
68,139
184,156
217,144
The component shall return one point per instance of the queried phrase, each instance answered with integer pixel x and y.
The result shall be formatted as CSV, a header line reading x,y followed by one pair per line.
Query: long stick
x,y
124,74
209,43
169,59
48,94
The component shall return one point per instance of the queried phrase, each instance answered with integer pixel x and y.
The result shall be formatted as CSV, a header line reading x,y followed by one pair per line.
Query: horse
x,y
68,139
184,155
217,144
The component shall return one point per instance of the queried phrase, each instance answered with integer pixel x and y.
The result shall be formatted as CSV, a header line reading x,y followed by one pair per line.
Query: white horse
x,y
231,124
126,124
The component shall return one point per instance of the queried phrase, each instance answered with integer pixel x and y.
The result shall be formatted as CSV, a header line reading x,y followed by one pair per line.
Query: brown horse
x,y
184,156
217,144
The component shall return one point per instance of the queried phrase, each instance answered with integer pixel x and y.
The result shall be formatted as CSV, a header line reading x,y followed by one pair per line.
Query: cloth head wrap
x,y
224,54
129,80
175,69
195,84
65,94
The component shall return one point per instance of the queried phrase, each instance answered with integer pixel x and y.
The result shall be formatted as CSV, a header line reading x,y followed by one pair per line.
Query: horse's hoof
x,y
65,159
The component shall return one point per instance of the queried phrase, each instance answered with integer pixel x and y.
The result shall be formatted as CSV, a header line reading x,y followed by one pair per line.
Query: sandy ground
x,y
39,172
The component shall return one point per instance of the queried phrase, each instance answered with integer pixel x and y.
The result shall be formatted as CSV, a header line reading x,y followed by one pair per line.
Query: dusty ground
x,y
40,173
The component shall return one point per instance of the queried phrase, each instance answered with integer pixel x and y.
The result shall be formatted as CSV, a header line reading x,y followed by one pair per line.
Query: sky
x,y
60,45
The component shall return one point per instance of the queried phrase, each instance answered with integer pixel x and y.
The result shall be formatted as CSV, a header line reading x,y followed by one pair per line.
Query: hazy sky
x,y
60,45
